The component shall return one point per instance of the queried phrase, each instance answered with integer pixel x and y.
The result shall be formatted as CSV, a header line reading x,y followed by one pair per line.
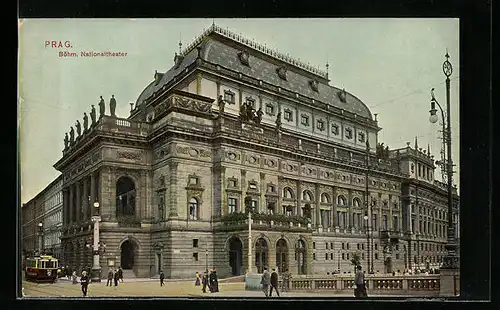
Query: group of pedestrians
x,y
115,275
269,282
209,279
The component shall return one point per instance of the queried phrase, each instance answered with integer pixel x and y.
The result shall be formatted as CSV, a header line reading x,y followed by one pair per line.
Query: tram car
x,y
42,268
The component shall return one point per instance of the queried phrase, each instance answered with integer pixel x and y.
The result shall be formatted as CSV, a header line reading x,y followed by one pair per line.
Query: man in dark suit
x,y
274,283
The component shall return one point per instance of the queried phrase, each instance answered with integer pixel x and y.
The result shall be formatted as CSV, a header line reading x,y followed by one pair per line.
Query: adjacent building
x,y
234,126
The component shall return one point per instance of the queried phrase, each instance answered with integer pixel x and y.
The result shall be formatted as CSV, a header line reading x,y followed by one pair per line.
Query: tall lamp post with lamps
x,y
96,267
40,238
450,264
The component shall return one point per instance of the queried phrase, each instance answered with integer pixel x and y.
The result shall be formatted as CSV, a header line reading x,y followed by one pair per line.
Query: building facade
x,y
234,126
42,221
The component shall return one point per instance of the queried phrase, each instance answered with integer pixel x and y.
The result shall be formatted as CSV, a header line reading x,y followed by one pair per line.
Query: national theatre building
x,y
234,127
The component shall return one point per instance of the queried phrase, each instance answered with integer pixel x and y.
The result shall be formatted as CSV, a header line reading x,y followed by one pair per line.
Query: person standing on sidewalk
x,y
84,280
110,278
204,281
197,282
265,281
120,273
359,280
117,277
75,277
162,277
274,283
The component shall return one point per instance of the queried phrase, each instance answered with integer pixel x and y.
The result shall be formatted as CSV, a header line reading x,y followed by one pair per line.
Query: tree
x,y
355,260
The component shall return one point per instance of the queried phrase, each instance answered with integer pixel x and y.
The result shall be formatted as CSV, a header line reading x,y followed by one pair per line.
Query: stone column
x,y
334,219
279,188
243,187
317,221
71,204
299,197
262,206
78,201
389,220
92,192
86,198
349,204
173,190
223,195
65,210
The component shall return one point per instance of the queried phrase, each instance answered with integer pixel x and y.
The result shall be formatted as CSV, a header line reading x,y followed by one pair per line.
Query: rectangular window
x,y
232,203
343,245
397,255
288,115
348,133
331,245
195,243
376,255
314,245
395,224
320,124
233,183
348,256
252,185
361,137
343,255
326,245
195,257
362,255
374,221
384,222
229,97
270,189
358,246
193,181
331,256
376,246
348,246
326,256
270,109
304,120
314,256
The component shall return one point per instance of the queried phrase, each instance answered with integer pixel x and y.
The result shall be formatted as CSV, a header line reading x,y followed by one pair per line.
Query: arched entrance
x,y
261,254
125,197
282,255
235,256
127,255
301,257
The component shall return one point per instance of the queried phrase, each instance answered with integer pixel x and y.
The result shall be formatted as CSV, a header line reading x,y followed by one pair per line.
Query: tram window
x,y
42,264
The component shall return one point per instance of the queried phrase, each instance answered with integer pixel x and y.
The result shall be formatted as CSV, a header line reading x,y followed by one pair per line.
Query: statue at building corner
x,y
250,112
102,107
258,116
112,106
243,112
92,114
278,121
85,122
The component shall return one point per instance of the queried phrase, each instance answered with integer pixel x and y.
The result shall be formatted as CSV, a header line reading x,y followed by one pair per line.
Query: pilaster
x,y
173,190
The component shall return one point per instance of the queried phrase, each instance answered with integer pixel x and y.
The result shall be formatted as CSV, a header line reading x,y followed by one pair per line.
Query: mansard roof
x,y
221,47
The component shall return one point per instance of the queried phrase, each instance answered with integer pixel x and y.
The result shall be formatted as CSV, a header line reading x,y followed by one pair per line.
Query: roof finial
x,y
428,149
447,55
416,143
327,66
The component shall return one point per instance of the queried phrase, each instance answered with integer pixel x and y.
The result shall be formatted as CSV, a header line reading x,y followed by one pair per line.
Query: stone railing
x,y
376,284
122,125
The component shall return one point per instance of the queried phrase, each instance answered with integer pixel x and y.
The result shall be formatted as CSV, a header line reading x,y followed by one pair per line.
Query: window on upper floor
x,y
361,136
229,97
288,115
251,102
270,109
320,124
232,205
348,133
304,120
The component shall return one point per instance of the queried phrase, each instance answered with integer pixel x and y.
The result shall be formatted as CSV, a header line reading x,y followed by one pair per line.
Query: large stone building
x,y
234,124
42,221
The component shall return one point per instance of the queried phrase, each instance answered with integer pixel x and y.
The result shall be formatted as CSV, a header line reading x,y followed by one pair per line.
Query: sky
x,y
389,64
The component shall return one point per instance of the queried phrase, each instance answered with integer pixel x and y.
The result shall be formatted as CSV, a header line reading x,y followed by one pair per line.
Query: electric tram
x,y
42,268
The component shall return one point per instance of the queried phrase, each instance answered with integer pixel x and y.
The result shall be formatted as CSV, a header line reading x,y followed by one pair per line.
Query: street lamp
x,y
96,268
206,259
450,260
338,260
40,240
367,241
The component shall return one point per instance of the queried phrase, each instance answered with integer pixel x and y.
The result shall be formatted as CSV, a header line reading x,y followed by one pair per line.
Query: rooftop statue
x,y
85,122
71,135
66,140
92,115
78,128
102,107
112,105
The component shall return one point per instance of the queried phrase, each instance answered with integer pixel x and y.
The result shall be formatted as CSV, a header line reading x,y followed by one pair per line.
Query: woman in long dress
x,y
198,280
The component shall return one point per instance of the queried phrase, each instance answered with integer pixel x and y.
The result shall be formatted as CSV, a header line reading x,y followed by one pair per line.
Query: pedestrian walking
x,y
75,278
110,277
265,281
204,281
84,280
162,277
214,282
120,273
198,279
359,280
117,277
274,283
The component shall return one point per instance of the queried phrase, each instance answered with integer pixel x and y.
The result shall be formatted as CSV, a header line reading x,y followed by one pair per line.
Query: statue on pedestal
x,y
66,140
250,112
78,128
258,117
92,115
112,106
85,122
102,107
243,112
71,135
221,104
278,121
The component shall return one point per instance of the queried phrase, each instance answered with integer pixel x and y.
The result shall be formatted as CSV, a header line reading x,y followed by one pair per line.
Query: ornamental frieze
x,y
187,150
234,156
191,104
129,155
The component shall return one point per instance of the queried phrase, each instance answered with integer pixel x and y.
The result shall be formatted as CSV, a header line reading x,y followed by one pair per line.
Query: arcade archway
x,y
282,255
127,255
261,254
235,256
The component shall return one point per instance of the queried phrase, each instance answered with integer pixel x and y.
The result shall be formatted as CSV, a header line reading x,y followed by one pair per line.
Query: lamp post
x,y
450,260
206,259
367,242
249,209
96,268
338,260
40,238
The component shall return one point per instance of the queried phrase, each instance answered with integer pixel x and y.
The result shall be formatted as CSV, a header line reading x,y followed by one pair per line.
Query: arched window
x,y
341,201
306,195
356,202
125,197
288,193
325,198
193,209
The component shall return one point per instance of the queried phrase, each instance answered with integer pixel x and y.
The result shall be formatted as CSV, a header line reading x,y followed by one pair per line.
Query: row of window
x,y
429,246
346,256
439,214
427,227
54,200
